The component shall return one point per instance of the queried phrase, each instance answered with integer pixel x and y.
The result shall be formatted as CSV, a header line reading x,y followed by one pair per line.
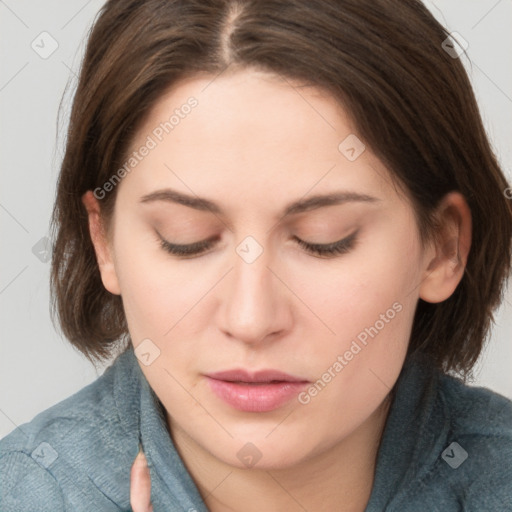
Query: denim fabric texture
x,y
446,447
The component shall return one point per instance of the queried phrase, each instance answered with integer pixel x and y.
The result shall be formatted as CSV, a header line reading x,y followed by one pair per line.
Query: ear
x,y
104,253
447,257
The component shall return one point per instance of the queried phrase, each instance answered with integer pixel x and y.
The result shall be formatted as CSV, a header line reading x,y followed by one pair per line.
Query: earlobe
x,y
100,243
447,258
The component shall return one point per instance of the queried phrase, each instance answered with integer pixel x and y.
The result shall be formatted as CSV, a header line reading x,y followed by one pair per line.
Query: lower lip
x,y
256,397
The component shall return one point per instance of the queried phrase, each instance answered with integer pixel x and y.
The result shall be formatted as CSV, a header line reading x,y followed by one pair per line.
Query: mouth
x,y
262,391
255,383
258,377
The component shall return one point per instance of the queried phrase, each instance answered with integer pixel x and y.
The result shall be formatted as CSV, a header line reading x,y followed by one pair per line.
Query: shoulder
x,y
27,485
83,409
476,411
43,462
477,457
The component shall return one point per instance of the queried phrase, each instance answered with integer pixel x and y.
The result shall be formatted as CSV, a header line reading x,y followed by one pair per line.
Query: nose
x,y
254,302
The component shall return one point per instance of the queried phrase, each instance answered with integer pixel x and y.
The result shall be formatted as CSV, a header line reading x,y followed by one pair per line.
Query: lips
x,y
260,391
261,376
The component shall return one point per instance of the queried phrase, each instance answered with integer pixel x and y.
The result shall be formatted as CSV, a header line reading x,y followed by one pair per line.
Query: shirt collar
x,y
169,477
414,434
143,422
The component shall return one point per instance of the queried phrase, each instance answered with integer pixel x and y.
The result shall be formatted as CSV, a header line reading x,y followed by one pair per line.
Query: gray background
x,y
37,367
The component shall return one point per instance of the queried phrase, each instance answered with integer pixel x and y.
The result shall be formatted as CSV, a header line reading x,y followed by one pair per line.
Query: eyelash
x,y
339,247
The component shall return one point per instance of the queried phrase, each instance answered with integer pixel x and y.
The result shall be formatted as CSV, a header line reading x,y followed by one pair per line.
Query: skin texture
x,y
253,144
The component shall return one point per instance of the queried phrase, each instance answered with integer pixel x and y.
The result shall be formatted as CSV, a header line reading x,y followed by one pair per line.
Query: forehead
x,y
251,138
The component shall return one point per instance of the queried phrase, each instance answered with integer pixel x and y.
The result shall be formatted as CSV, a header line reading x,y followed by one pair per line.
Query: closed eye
x,y
196,249
339,247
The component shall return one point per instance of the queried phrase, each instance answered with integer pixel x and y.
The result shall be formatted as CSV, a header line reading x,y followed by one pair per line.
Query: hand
x,y
140,485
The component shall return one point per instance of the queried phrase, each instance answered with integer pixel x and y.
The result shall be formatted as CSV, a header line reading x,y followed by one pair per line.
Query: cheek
x,y
156,291
350,293
366,305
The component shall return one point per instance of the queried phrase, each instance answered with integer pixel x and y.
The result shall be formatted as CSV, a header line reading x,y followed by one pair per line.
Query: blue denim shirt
x,y
446,447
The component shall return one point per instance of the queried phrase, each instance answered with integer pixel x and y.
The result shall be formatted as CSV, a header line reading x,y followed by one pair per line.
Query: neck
x,y
340,478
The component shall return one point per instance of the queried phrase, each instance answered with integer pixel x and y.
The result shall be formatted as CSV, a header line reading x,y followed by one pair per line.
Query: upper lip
x,y
242,375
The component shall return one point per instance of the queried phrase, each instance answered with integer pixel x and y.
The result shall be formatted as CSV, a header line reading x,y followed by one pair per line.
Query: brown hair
x,y
411,102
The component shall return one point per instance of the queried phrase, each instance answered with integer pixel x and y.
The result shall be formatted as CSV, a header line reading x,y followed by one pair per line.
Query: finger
x,y
140,485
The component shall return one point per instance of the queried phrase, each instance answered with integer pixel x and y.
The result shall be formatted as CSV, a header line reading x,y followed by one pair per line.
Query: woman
x,y
285,220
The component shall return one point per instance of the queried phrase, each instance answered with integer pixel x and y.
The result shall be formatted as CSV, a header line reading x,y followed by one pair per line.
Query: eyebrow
x,y
299,206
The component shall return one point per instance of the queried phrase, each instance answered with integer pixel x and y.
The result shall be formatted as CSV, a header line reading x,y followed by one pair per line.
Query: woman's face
x,y
257,299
